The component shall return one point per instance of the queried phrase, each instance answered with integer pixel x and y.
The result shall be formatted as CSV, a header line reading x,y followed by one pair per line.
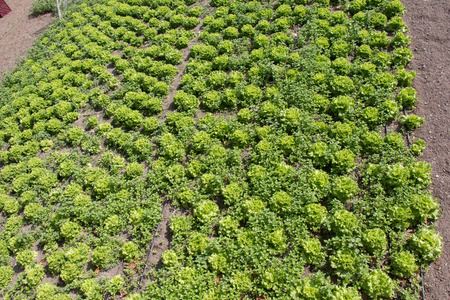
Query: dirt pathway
x,y
429,24
168,105
18,30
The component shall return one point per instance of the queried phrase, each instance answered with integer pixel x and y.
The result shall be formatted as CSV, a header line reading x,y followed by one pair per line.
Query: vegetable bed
x,y
282,150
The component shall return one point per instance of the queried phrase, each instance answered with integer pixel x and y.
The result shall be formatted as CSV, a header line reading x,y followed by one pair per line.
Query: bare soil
x,y
429,24
161,243
18,30
168,105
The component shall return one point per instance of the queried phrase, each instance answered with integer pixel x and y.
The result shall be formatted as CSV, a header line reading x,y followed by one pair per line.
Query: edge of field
x,y
428,24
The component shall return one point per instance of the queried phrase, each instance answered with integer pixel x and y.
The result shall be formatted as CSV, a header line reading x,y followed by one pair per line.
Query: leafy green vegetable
x,y
378,284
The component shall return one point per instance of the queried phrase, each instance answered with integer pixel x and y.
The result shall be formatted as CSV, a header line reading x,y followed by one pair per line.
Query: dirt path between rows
x,y
18,30
429,24
168,105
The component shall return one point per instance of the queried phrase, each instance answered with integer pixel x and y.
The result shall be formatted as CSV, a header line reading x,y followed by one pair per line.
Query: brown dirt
x,y
162,241
428,22
168,105
18,30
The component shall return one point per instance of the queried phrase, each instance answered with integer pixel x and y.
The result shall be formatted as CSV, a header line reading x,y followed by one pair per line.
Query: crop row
x,y
72,205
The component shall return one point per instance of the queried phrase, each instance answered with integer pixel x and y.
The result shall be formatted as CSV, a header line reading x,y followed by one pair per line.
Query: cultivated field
x,y
226,150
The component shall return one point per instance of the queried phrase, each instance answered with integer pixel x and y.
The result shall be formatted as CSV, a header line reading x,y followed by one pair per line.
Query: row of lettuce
x,y
273,153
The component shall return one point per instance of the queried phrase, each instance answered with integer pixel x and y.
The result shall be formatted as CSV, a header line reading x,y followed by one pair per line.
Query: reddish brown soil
x,y
429,24
18,30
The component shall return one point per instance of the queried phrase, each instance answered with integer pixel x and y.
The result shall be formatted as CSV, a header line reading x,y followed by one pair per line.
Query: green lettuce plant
x,y
344,188
26,258
130,251
33,275
56,261
344,222
342,106
424,207
115,284
6,276
232,193
426,243
404,264
92,289
421,173
185,102
396,175
102,256
45,290
312,250
343,161
280,201
378,284
375,241
206,211
411,122
315,216
70,230
197,243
